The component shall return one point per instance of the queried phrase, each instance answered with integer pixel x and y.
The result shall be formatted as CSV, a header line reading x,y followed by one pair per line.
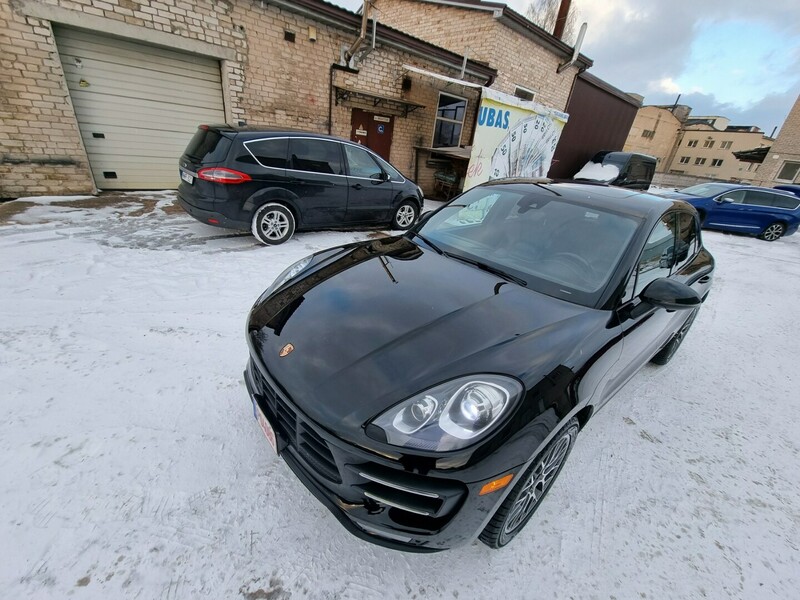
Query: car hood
x,y
378,322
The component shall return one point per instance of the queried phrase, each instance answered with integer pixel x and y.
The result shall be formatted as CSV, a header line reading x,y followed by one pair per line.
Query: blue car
x,y
794,189
763,212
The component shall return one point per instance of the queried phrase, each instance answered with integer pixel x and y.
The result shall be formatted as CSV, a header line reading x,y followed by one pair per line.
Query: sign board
x,y
513,138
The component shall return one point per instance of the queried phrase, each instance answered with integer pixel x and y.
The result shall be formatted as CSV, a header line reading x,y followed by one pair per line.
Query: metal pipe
x,y
561,19
348,55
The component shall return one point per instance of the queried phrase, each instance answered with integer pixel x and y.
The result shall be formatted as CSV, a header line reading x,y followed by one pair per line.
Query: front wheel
x,y
518,507
272,224
405,215
773,232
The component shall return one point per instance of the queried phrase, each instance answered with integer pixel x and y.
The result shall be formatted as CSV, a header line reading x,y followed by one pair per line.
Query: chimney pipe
x,y
348,55
561,19
774,129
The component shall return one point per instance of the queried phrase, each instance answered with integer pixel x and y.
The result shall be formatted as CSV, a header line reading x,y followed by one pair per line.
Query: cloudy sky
x,y
735,58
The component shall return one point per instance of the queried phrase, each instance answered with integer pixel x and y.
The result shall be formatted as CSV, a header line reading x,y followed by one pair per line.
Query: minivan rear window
x,y
269,153
208,146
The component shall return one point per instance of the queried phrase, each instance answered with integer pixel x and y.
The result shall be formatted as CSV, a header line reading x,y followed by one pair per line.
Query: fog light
x,y
497,484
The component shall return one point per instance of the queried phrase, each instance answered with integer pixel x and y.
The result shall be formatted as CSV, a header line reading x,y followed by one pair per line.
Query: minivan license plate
x,y
187,178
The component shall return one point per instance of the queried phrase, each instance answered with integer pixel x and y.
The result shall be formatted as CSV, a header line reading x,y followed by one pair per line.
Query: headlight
x,y
293,271
452,415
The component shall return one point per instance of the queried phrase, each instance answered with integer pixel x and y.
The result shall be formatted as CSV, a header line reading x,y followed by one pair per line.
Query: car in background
x,y
621,169
794,189
428,388
764,212
275,182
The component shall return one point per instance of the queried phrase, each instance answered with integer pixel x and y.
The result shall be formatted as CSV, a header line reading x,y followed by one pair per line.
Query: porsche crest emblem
x,y
286,350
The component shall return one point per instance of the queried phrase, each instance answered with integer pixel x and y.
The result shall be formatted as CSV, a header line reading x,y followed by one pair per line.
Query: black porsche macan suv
x,y
275,182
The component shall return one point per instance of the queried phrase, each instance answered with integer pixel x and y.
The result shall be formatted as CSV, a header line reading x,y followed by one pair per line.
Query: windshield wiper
x,y
427,241
489,269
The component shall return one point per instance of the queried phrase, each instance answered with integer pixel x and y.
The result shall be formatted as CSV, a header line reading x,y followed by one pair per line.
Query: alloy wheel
x,y
274,225
773,232
405,216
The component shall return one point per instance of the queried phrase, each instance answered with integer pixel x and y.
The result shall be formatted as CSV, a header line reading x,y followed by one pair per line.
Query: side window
x,y
755,198
316,156
269,153
658,254
361,164
686,245
786,202
638,170
737,196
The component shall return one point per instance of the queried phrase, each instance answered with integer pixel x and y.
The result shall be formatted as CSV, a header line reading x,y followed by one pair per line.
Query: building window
x,y
699,161
717,162
692,143
788,171
725,145
449,121
648,133
685,160
524,93
708,144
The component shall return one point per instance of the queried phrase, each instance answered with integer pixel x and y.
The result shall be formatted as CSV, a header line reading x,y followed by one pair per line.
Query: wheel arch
x,y
276,195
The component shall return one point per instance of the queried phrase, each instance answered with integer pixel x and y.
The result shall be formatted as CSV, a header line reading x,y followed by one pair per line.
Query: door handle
x,y
357,186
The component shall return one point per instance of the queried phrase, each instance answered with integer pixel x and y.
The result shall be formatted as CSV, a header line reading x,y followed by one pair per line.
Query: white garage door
x,y
137,105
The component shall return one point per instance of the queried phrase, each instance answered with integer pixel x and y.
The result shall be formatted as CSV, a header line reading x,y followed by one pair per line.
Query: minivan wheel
x,y
405,215
532,486
273,224
773,232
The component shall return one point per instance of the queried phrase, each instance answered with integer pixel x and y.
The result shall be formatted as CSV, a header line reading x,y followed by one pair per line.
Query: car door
x,y
670,251
370,190
748,212
316,175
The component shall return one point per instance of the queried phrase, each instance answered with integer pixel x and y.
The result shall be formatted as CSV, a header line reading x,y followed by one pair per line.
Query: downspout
x,y
350,52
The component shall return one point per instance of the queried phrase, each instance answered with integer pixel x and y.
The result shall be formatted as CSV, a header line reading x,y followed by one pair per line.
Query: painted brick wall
x,y
518,59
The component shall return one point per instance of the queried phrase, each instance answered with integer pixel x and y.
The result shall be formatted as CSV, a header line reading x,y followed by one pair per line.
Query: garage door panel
x,y
79,44
178,90
145,101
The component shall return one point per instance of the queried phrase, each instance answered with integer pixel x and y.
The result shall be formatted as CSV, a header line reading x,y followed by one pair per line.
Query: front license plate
x,y
263,422
187,178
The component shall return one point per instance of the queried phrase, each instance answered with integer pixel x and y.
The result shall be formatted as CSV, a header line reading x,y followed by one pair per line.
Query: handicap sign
x,y
381,128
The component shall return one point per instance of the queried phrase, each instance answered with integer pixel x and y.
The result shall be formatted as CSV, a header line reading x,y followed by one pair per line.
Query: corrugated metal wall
x,y
598,120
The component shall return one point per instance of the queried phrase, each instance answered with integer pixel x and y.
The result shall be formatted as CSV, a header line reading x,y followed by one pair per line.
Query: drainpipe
x,y
561,19
348,55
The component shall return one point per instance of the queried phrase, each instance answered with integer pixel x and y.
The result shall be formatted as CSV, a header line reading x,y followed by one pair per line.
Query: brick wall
x,y
266,80
40,146
786,148
519,60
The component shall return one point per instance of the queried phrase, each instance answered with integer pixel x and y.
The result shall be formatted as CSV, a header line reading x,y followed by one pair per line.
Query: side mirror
x,y
669,294
380,177
725,200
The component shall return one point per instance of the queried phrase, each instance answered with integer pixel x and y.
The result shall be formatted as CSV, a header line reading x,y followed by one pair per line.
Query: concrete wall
x,y
665,128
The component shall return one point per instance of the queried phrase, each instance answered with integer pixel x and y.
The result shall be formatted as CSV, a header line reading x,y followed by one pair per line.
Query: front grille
x,y
297,433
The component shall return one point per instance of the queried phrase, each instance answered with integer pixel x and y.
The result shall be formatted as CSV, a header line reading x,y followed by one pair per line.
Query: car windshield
x,y
556,247
706,189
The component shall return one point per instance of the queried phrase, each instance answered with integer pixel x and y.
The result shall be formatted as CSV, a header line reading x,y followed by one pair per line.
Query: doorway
x,y
373,131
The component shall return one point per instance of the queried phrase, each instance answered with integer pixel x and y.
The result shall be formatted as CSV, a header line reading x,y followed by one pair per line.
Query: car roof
x,y
251,132
636,203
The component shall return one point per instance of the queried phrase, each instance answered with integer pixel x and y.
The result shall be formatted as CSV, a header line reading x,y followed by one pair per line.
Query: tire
x,y
773,232
272,224
405,215
531,488
667,352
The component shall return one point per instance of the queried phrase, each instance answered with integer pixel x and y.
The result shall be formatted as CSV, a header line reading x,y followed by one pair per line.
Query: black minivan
x,y
275,182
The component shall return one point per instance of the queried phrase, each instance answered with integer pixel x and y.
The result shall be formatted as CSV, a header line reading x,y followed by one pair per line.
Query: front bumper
x,y
375,497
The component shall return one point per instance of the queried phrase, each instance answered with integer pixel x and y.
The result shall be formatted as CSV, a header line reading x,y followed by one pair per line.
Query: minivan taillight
x,y
222,175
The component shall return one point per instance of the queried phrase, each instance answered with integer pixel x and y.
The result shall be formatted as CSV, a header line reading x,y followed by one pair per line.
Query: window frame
x,y
437,118
716,162
725,145
692,143
783,166
699,161
685,160
708,144
356,148
525,90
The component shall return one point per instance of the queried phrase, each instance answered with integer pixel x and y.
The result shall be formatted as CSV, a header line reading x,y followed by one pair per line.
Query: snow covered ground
x,y
132,466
